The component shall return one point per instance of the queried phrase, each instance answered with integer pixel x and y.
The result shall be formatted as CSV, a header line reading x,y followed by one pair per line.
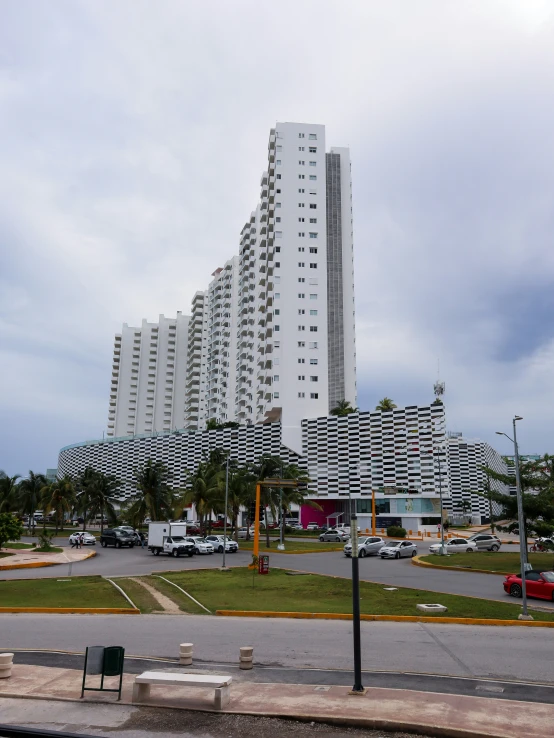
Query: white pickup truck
x,y
169,538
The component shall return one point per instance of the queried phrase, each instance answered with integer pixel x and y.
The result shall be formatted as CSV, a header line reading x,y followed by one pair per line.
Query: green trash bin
x,y
107,661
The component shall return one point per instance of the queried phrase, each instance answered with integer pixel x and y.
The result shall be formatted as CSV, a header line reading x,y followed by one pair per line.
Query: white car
x,y
201,545
455,545
312,526
217,542
366,547
398,549
88,539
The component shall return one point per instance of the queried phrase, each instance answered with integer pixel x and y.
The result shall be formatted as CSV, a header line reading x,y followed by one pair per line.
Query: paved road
x,y
465,651
401,573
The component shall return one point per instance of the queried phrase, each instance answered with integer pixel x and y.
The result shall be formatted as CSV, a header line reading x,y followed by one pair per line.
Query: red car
x,y
539,584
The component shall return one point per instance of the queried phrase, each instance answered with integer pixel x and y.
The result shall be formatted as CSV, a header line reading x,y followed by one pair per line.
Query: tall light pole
x,y
522,534
358,687
442,549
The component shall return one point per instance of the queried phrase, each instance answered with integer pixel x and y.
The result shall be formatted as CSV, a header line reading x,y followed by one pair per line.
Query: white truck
x,y
169,538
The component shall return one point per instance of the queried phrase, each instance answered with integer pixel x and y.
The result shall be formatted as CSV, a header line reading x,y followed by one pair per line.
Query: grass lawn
x,y
3,555
239,589
51,550
140,596
19,545
74,592
492,561
292,546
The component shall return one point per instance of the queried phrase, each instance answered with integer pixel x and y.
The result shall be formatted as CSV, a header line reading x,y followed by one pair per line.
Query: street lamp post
x,y
522,534
443,551
358,687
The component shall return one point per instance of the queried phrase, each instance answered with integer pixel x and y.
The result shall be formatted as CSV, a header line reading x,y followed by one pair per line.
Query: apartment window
x,y
314,361
313,206
278,280
277,250
301,279
301,394
277,264
301,205
301,344
278,192
276,395
301,327
278,162
301,249
277,295
277,328
313,329
313,344
278,176
314,396
277,344
275,377
301,295
313,177
313,265
313,378
278,234
301,361
313,220
279,148
278,312
277,204
313,163
301,190
312,136
276,362
301,148
301,176
301,135
301,235
313,192
278,219
313,150
301,263
313,249
301,377
312,312
313,234
313,280
301,312
302,163
301,220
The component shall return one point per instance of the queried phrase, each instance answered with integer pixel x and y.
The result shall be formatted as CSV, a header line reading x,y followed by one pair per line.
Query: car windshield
x,y
395,544
178,538
548,575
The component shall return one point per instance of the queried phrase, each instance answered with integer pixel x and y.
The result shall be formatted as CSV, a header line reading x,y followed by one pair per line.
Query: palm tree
x,y
154,496
83,486
342,408
241,493
29,494
205,487
101,494
8,492
385,405
59,497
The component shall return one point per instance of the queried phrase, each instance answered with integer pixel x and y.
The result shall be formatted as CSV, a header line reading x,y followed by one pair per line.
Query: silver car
x,y
398,549
486,541
366,547
339,536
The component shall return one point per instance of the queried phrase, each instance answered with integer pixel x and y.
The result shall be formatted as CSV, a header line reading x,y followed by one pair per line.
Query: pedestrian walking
x,y
142,539
81,540
74,540
446,526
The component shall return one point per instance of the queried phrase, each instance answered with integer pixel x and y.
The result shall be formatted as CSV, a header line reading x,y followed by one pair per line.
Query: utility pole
x,y
224,568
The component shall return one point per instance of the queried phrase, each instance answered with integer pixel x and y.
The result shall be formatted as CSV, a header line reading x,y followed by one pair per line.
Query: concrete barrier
x,y
6,663
185,654
246,657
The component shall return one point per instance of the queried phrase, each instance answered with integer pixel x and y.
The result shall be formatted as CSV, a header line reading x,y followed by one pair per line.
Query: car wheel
x,y
362,554
190,554
131,545
103,544
321,539
515,590
494,548
397,555
414,553
337,539
157,552
196,551
469,550
175,553
220,550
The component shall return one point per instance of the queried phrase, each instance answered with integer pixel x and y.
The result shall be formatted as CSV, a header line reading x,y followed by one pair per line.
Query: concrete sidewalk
x,y
28,559
385,709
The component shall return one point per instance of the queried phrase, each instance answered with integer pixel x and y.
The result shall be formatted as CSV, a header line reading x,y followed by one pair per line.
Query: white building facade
x,y
147,385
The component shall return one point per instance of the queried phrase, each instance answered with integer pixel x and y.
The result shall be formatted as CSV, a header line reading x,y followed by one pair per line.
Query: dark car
x,y
117,538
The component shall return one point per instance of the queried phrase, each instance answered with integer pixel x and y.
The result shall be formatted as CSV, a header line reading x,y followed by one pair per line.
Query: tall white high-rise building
x,y
272,337
148,377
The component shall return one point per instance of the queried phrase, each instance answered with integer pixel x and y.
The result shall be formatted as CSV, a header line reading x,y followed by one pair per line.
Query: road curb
x,y
416,561
382,618
39,564
71,610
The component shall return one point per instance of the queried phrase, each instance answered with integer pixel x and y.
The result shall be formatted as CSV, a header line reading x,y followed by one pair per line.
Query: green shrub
x,y
395,531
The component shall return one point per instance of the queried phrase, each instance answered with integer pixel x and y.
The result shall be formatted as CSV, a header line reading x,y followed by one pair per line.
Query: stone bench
x,y
221,684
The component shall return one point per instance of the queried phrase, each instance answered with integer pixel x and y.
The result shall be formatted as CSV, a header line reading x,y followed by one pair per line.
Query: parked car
x,y
398,549
88,538
486,541
218,541
296,526
539,584
312,526
455,545
339,536
201,545
130,530
366,547
117,538
77,521
243,533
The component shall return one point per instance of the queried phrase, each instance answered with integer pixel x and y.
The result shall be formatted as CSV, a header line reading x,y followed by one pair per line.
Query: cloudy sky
x,y
132,138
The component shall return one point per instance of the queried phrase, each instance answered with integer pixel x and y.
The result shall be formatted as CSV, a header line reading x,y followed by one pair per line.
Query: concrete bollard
x,y
6,663
185,654
246,657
